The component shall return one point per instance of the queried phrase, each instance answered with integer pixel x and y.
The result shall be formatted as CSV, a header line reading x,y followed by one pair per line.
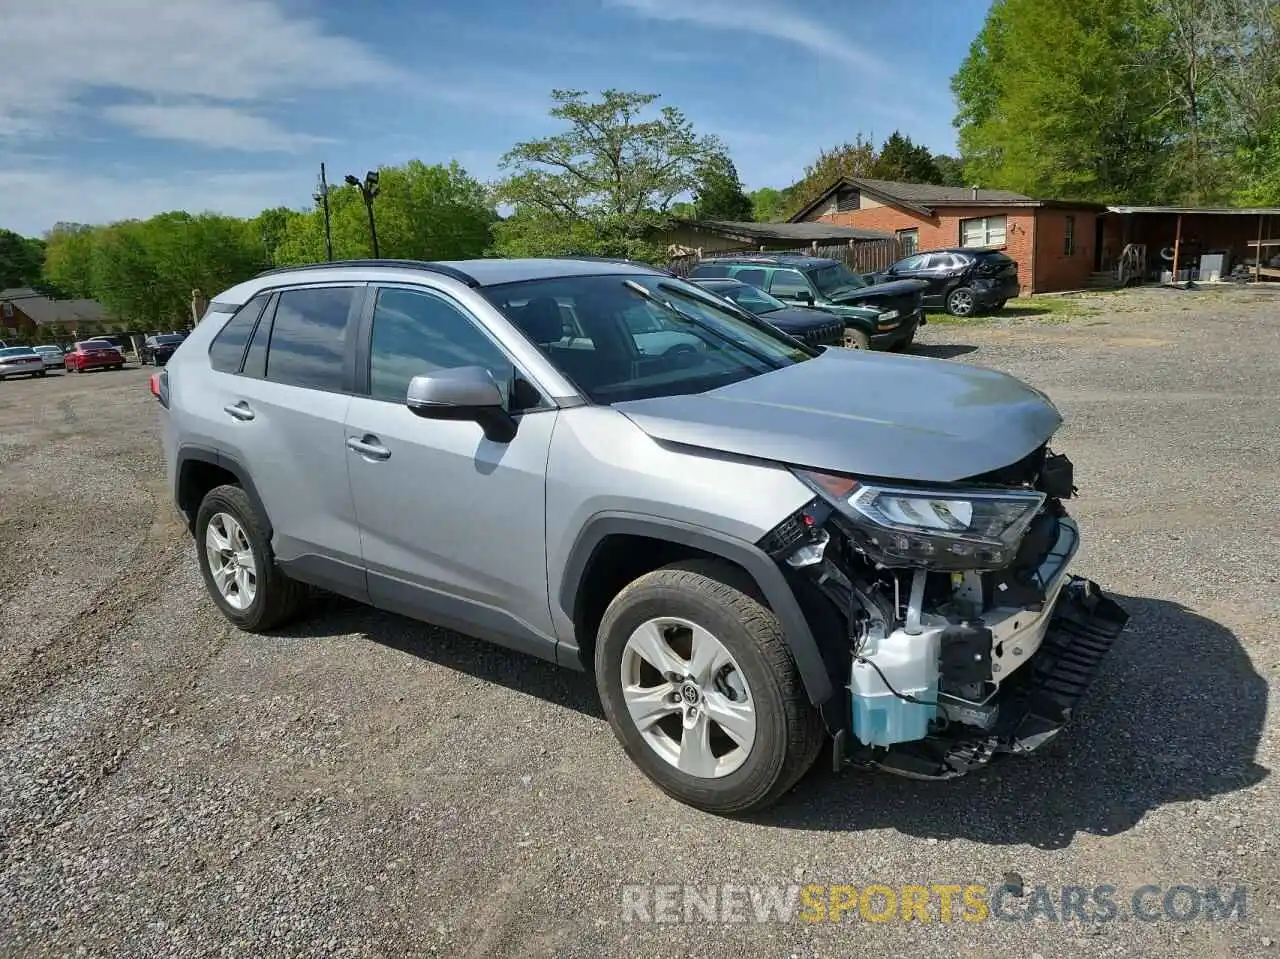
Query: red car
x,y
93,355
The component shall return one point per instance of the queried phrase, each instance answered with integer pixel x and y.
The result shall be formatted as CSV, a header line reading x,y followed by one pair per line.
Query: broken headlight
x,y
935,528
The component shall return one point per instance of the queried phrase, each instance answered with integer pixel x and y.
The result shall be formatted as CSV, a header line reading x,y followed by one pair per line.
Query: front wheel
x,y
960,302
856,339
238,566
701,690
41,373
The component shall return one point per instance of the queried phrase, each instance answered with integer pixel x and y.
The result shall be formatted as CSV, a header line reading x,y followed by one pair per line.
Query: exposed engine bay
x,y
950,610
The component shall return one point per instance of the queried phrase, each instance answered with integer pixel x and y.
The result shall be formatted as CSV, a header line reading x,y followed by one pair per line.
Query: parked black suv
x,y
828,285
815,327
963,282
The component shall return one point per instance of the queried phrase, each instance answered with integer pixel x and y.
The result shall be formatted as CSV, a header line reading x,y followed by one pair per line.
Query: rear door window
x,y
308,345
754,277
788,284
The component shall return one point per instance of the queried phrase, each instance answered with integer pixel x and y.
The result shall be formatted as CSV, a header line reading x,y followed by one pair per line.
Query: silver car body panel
x,y
862,413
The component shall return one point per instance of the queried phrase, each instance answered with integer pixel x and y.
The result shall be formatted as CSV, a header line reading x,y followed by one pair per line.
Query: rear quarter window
x,y
710,271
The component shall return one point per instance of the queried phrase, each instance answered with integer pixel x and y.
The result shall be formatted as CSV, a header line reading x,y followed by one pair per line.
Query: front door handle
x,y
368,446
240,411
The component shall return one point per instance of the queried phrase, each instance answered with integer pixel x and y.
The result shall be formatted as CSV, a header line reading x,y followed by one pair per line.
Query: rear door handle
x,y
368,446
240,411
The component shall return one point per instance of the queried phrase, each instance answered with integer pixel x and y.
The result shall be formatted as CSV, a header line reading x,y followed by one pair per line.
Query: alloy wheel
x,y
961,302
688,697
231,562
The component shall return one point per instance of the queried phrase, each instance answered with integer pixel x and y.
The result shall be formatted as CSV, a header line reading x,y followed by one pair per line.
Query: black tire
x,y
278,598
856,339
960,302
41,373
719,597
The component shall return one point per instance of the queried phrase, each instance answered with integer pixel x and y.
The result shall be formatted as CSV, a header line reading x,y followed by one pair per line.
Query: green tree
x,y
950,170
856,159
605,181
770,205
271,226
905,162
68,266
21,260
719,195
421,212
1054,101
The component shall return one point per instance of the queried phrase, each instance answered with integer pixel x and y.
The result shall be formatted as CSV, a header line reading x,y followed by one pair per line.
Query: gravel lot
x,y
364,785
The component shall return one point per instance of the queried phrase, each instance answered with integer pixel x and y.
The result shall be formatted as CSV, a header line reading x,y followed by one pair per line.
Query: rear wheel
x,y
41,373
701,690
960,302
856,339
238,566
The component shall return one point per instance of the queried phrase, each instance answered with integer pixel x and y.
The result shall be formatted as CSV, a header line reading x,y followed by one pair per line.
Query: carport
x,y
1182,243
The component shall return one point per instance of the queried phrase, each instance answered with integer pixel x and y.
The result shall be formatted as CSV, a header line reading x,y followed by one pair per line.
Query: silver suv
x,y
756,546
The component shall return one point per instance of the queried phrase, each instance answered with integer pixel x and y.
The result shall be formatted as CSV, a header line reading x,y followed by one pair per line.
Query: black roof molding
x,y
450,271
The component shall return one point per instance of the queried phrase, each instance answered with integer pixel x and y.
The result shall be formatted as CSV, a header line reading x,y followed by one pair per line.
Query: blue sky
x,y
130,107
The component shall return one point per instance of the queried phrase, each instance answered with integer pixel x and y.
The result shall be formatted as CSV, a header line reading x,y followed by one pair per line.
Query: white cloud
x,y
232,51
36,199
212,125
772,21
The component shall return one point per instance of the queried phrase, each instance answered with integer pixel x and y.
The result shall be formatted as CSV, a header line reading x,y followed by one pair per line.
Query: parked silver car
x,y
756,546
53,356
20,361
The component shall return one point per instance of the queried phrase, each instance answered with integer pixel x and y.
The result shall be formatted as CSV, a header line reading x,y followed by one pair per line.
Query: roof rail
x,y
427,265
612,259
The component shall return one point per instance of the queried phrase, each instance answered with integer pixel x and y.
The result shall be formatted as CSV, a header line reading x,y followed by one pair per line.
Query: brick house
x,y
27,314
1056,245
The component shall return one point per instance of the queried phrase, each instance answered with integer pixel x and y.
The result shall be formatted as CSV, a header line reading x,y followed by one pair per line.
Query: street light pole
x,y
368,190
322,196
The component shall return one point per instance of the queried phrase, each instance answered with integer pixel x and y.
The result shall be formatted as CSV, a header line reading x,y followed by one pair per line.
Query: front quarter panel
x,y
601,463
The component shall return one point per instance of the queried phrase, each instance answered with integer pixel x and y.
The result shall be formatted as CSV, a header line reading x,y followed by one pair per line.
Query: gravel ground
x,y
364,785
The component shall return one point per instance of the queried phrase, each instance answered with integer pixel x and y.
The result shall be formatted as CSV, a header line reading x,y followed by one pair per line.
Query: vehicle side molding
x,y
763,571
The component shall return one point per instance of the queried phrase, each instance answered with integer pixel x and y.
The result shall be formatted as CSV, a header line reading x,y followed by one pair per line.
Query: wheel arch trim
x,y
763,571
191,453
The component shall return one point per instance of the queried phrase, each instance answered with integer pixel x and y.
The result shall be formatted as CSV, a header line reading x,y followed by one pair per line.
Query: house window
x,y
1069,238
847,200
908,242
983,231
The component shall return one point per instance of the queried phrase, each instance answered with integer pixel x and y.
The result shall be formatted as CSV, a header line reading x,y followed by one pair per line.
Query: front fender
x,y
757,564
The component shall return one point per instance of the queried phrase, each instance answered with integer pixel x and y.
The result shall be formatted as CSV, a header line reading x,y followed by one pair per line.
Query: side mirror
x,y
464,393
804,296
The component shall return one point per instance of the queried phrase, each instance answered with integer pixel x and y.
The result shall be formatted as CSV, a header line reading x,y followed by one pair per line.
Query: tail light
x,y
159,384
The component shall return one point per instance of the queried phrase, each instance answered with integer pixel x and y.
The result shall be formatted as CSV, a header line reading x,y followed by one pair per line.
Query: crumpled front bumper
x,y
1036,703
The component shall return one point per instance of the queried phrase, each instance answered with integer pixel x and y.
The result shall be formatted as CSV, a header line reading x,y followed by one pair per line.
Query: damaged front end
x,y
948,612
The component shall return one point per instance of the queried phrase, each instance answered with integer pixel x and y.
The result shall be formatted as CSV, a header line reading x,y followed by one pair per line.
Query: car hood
x,y
878,290
799,318
863,413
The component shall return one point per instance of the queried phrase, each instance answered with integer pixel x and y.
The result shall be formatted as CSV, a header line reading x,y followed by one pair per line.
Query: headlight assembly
x,y
935,528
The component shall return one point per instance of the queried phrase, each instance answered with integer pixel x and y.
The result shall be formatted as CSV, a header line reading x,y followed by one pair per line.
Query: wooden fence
x,y
867,256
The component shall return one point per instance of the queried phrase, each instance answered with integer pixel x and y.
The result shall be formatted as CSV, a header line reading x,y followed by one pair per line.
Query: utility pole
x,y
322,197
368,190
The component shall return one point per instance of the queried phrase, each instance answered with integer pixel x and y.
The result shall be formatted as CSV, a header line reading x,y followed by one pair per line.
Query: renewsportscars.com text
x,y
973,903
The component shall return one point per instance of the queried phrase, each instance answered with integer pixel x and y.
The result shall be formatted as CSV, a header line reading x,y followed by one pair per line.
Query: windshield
x,y
837,278
750,298
168,339
17,351
95,345
48,349
637,336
